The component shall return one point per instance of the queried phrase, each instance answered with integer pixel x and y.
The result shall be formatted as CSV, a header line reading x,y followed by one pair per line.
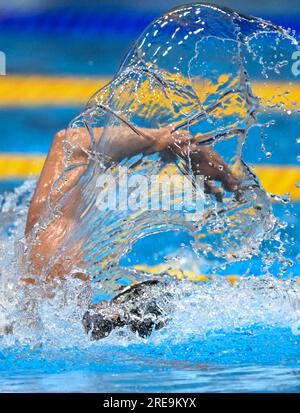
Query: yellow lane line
x,y
280,179
20,166
47,90
33,90
177,272
275,179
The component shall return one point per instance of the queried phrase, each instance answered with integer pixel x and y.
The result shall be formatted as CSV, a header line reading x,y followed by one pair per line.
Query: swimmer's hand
x,y
207,162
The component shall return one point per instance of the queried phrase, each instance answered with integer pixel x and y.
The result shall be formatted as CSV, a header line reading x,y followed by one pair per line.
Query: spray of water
x,y
193,69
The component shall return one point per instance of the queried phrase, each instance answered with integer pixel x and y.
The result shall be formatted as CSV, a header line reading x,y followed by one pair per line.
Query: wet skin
x,y
122,143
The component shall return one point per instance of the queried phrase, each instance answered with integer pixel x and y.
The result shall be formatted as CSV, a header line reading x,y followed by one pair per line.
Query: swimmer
x,y
123,143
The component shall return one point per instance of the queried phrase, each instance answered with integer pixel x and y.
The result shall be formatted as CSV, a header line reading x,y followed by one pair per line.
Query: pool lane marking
x,y
278,179
34,90
20,90
179,273
191,275
20,166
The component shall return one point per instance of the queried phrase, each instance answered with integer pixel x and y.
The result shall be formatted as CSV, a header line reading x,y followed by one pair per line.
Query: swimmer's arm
x,y
54,167
50,173
51,238
122,143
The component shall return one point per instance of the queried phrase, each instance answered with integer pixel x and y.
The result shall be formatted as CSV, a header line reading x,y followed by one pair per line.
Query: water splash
x,y
192,70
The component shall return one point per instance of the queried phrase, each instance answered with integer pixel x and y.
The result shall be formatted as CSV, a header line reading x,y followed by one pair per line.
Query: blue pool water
x,y
255,359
